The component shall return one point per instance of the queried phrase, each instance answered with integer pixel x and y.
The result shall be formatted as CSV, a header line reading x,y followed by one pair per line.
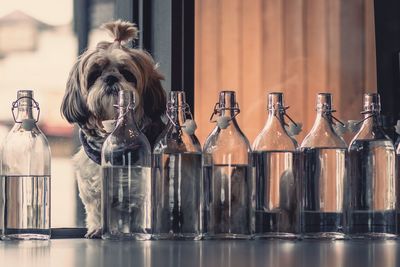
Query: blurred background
x,y
38,46
300,47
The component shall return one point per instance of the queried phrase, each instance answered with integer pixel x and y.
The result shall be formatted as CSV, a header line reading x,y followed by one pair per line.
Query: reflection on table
x,y
81,252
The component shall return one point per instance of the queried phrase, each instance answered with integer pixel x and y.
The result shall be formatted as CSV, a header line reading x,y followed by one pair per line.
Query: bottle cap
x,y
28,124
294,129
177,98
189,126
324,101
372,102
223,122
275,101
24,97
227,99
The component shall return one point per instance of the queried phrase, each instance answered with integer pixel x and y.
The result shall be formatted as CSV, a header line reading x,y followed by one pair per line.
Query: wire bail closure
x,y
131,106
217,110
186,112
282,110
15,105
373,113
327,110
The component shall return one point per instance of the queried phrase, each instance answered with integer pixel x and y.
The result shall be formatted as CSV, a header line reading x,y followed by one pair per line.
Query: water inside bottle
x,y
372,183
26,207
228,200
276,213
177,196
323,182
126,203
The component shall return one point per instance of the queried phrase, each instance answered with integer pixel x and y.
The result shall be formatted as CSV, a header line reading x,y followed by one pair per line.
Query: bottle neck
x,y
177,116
326,115
127,117
24,112
228,113
323,122
371,122
275,120
231,113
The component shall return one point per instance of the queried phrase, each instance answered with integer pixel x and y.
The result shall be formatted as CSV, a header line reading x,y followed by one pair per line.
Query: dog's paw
x,y
96,233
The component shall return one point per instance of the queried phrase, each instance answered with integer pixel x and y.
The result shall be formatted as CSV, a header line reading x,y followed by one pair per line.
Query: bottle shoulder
x,y
26,152
323,135
229,139
134,141
174,140
19,138
274,141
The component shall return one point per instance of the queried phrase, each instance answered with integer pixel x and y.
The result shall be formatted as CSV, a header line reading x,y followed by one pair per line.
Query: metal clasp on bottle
x,y
15,105
282,110
218,108
328,111
129,107
186,111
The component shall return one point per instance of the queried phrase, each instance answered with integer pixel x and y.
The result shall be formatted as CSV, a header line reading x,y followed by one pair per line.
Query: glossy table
x,y
82,252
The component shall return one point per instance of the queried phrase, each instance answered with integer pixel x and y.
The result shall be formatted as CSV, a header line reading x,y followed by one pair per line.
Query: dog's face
x,y
98,76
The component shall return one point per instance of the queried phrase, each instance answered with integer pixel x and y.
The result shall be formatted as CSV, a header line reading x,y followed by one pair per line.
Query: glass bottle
x,y
25,175
323,178
372,192
276,212
227,175
177,175
126,177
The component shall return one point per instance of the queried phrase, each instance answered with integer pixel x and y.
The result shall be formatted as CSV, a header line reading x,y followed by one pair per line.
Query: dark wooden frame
x,y
387,37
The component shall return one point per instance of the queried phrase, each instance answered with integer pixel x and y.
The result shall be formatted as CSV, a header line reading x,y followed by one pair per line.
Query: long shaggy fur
x,y
91,92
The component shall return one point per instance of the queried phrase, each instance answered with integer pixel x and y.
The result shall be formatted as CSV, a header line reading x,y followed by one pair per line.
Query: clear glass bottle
x,y
126,178
25,175
227,175
324,156
177,175
372,192
275,157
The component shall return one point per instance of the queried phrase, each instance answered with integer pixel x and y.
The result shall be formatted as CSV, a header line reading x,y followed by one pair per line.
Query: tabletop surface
x,y
83,252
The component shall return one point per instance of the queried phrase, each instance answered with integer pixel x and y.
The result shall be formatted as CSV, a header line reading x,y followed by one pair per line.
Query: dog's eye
x,y
93,77
128,76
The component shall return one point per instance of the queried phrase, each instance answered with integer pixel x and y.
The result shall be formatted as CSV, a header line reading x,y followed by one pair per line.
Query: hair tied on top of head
x,y
121,31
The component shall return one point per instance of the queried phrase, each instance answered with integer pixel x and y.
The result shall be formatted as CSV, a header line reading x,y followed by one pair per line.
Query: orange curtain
x,y
300,47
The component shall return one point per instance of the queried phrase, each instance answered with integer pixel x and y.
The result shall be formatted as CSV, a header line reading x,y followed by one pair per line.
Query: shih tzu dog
x,y
92,89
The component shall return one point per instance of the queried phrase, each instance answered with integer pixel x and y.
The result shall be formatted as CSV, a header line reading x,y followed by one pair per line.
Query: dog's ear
x,y
73,106
154,98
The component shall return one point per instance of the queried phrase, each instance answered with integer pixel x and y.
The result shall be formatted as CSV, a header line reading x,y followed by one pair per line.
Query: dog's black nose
x,y
112,90
110,80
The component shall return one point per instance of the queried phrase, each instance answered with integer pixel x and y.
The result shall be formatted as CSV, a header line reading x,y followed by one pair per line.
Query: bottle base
x,y
26,234
372,236
121,237
176,236
21,237
324,236
226,236
284,236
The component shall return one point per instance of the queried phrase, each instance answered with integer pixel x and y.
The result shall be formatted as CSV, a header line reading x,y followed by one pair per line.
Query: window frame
x,y
387,27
